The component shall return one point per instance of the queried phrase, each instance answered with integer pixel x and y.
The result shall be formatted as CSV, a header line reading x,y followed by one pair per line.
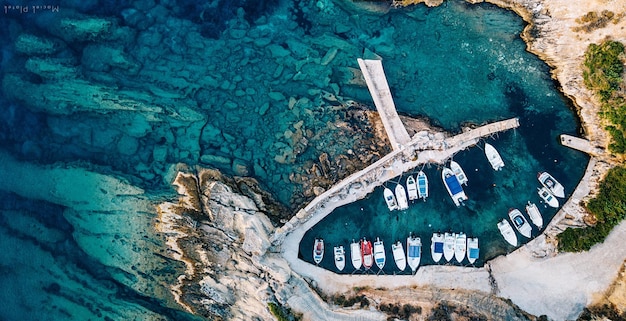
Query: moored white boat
x,y
355,254
472,249
422,185
436,246
448,246
493,157
367,253
379,253
547,197
403,204
411,188
453,186
534,214
414,251
398,255
390,199
460,247
551,184
340,257
520,222
318,250
458,171
507,232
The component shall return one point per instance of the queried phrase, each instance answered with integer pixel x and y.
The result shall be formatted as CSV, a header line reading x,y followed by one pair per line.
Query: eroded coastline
x,y
503,276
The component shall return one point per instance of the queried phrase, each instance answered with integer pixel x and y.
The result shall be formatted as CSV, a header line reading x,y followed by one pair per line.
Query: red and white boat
x,y
367,253
318,250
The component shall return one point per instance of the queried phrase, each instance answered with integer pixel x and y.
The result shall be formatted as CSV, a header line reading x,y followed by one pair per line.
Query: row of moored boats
x,y
365,254
453,177
550,190
415,189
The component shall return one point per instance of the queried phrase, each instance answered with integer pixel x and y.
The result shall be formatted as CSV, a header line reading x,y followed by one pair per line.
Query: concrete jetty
x,y
579,144
381,94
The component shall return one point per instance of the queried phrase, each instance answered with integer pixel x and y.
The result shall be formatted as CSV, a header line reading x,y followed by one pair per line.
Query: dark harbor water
x,y
251,90
467,66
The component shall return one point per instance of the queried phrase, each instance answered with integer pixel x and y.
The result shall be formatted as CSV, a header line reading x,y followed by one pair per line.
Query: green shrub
x,y
609,208
603,73
281,313
604,68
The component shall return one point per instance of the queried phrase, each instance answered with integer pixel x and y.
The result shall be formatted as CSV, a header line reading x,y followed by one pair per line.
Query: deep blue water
x,y
453,64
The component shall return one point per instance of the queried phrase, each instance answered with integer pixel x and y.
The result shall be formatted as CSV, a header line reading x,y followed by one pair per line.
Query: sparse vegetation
x,y
341,300
397,311
603,312
282,313
592,20
609,208
603,73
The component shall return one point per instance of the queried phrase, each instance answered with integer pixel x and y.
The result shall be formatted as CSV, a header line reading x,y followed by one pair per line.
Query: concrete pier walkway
x,y
579,144
379,89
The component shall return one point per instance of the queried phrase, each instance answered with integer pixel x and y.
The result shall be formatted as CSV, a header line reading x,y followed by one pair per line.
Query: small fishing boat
x,y
453,186
448,246
534,214
422,184
379,253
411,188
460,247
390,199
398,255
520,222
493,157
472,249
318,250
355,254
367,253
458,171
403,204
507,232
340,257
414,251
436,246
551,184
547,197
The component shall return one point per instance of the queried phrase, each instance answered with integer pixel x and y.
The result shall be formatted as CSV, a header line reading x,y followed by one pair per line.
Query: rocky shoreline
x,y
268,277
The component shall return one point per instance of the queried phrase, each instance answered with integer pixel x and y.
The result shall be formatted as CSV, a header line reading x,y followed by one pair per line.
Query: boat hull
x,y
551,184
422,185
398,255
436,246
318,250
458,171
367,254
355,255
379,253
453,186
507,232
460,247
547,197
390,199
411,188
493,157
472,249
403,204
340,257
414,252
534,214
520,222
448,246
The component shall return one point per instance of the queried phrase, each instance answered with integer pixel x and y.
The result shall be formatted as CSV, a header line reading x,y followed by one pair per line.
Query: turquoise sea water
x,y
223,73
